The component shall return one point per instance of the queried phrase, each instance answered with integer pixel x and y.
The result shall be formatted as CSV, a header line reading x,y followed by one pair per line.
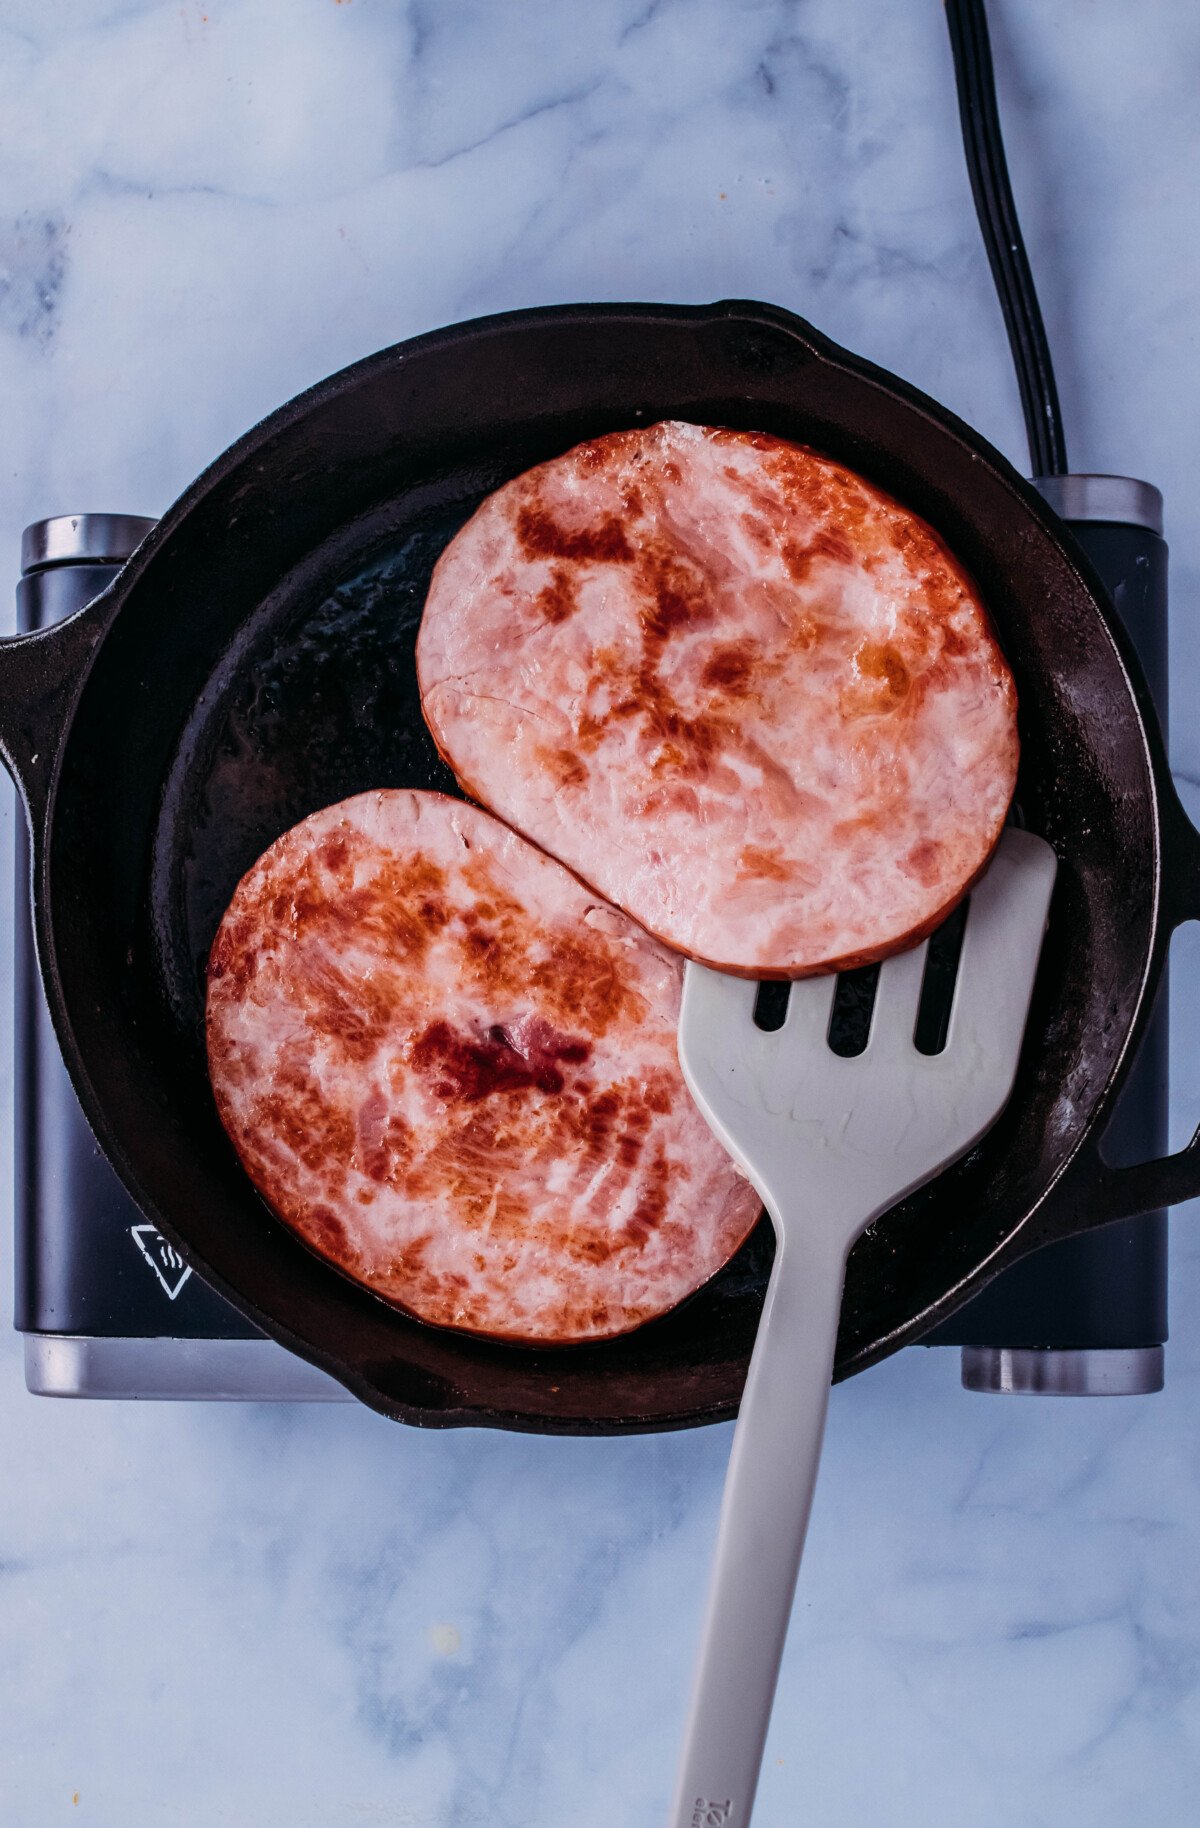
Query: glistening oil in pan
x,y
314,700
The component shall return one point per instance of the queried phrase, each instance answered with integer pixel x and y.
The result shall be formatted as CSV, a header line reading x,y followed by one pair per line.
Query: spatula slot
x,y
770,1006
850,1017
937,983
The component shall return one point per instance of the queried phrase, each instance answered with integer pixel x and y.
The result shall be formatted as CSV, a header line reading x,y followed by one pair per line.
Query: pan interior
x,y
315,699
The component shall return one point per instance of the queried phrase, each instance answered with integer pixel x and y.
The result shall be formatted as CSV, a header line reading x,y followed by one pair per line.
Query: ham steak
x,y
747,696
453,1072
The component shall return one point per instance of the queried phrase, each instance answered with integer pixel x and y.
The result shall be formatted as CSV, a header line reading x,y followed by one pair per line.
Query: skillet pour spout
x,y
254,662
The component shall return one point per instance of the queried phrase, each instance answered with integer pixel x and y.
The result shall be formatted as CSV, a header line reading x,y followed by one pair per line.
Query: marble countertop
x,y
277,1617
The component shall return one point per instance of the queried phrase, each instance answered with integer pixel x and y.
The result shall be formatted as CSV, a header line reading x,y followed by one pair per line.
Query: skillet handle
x,y
40,676
1122,1193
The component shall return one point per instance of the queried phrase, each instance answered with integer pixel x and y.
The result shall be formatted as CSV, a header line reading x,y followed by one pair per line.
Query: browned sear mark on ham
x,y
328,1232
730,668
335,853
558,599
565,766
924,859
470,1166
297,1113
595,1121
828,544
645,1219
756,862
395,911
384,1143
673,597
466,1068
353,1014
652,1202
580,972
876,660
542,537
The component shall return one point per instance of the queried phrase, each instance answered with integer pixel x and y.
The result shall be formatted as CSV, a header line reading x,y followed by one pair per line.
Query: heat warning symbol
x,y
162,1257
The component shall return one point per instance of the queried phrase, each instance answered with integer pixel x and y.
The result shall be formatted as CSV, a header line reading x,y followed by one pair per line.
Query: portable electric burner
x,y
108,1306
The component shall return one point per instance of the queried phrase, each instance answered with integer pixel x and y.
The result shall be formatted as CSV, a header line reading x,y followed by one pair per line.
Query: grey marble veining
x,y
276,1618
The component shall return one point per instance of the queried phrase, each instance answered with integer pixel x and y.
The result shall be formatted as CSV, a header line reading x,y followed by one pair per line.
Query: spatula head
x,y
865,1130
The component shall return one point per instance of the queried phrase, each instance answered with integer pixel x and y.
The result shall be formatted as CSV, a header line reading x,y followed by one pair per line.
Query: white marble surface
x,y
276,1618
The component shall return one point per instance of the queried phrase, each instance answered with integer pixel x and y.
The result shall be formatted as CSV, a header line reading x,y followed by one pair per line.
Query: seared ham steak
x,y
453,1073
749,697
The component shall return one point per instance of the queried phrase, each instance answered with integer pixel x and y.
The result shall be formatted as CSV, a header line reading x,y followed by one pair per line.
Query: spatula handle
x,y
764,1516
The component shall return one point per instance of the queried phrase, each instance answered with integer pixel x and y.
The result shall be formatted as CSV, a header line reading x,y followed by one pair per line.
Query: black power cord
x,y
990,186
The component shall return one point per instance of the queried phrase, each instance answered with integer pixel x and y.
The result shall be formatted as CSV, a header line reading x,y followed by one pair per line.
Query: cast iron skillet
x,y
254,661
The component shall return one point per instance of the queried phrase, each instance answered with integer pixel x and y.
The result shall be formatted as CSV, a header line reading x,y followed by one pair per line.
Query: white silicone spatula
x,y
830,1143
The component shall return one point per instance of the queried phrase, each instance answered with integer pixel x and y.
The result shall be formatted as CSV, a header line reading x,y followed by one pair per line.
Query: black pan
x,y
254,661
